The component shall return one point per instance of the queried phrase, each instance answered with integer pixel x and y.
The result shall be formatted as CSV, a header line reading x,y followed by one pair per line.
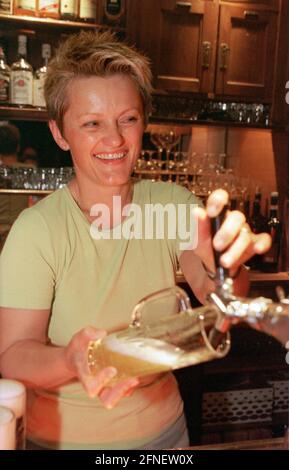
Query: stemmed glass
x,y
166,141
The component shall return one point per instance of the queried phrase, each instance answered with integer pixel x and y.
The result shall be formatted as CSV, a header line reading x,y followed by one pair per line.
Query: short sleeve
x,y
27,275
186,224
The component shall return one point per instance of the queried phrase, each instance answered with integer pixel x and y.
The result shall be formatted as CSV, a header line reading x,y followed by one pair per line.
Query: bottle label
x,y
113,7
87,9
46,51
21,87
114,11
4,88
6,6
68,7
26,4
51,6
38,92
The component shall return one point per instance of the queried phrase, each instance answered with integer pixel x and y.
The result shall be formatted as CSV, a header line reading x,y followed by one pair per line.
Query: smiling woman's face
x,y
103,128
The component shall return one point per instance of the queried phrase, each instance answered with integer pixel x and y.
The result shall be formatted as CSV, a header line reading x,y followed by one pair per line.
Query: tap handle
x,y
216,222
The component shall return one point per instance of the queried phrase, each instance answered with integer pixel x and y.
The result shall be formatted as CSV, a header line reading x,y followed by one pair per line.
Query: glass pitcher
x,y
165,333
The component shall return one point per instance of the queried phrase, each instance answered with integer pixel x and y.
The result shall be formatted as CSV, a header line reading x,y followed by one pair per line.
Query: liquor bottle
x,y
271,258
21,77
5,76
69,9
114,12
87,10
257,223
25,7
48,8
39,78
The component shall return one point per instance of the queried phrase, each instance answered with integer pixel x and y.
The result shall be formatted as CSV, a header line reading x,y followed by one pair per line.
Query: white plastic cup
x,y
13,396
7,429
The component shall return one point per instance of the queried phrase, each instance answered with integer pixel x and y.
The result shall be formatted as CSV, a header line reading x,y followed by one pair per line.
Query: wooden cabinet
x,y
180,38
209,46
185,54
246,51
267,3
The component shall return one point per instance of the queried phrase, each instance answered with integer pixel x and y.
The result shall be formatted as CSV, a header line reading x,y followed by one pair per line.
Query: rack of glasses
x,y
200,173
188,109
33,180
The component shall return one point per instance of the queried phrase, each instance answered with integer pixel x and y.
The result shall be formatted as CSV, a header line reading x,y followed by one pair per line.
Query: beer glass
x,y
13,396
165,334
7,429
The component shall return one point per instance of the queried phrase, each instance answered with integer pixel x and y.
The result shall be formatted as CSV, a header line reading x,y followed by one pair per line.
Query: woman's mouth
x,y
109,157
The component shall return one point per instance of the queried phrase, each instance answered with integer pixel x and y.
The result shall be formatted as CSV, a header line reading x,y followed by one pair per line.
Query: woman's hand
x,y
95,385
235,239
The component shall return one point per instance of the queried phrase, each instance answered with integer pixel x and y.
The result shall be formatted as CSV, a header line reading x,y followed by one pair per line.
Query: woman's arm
x,y
25,356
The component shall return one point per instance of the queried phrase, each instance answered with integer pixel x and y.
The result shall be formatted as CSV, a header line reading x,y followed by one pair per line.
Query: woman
x,y
61,287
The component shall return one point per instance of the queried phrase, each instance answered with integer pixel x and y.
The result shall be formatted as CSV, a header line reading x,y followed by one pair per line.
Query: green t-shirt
x,y
51,261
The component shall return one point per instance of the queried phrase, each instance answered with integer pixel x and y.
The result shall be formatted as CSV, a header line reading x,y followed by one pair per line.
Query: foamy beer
x,y
7,429
13,396
164,342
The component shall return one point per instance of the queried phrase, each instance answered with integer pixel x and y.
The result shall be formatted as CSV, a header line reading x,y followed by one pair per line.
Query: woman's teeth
x,y
110,156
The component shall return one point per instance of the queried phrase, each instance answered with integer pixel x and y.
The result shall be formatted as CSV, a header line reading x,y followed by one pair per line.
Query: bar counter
x,y
264,444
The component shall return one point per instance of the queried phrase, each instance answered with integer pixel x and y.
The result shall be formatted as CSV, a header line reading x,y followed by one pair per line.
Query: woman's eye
x,y
91,124
129,120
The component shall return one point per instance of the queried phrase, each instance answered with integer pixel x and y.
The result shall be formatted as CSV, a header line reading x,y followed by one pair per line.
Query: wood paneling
x,y
182,33
251,41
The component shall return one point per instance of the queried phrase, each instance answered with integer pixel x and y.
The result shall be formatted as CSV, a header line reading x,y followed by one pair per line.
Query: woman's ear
x,y
59,139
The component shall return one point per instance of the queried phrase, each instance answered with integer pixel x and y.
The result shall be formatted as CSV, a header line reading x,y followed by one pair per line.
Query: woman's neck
x,y
87,196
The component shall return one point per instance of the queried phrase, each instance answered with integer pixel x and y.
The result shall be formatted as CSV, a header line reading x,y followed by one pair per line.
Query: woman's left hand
x,y
234,239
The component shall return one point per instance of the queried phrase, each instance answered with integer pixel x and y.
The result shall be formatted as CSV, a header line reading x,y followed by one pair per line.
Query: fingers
x,y
76,350
236,243
111,396
229,230
216,201
91,333
244,247
93,384
262,243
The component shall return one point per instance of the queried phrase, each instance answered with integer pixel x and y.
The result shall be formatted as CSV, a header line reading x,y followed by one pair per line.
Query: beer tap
x,y
261,313
223,288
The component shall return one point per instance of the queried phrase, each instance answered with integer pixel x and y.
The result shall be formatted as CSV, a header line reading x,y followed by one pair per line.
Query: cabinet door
x,y
247,41
186,45
268,3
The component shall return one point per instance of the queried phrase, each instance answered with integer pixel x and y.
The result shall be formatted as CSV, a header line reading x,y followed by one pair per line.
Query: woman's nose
x,y
113,137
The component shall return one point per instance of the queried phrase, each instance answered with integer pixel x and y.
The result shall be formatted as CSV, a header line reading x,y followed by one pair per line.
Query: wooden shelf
x,y
39,192
255,277
163,172
205,122
23,113
276,443
35,114
51,22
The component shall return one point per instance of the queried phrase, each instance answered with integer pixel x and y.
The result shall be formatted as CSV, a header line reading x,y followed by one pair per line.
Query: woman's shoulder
x,y
41,213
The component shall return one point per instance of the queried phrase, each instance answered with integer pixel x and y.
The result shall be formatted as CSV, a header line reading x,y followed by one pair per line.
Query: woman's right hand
x,y
95,385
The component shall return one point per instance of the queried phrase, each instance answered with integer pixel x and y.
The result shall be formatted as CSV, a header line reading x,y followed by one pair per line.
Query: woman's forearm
x,y
35,364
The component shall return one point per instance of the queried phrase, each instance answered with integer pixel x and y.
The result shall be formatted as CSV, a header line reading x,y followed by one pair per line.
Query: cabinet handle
x,y
206,54
224,55
249,14
183,4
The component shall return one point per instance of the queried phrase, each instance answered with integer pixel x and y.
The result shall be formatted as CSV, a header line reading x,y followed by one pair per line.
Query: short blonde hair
x,y
93,54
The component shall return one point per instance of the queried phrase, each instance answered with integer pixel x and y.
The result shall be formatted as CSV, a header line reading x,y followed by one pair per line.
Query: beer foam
x,y
150,350
11,388
13,395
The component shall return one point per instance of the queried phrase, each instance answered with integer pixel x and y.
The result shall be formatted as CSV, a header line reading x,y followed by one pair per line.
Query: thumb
x,y
91,333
